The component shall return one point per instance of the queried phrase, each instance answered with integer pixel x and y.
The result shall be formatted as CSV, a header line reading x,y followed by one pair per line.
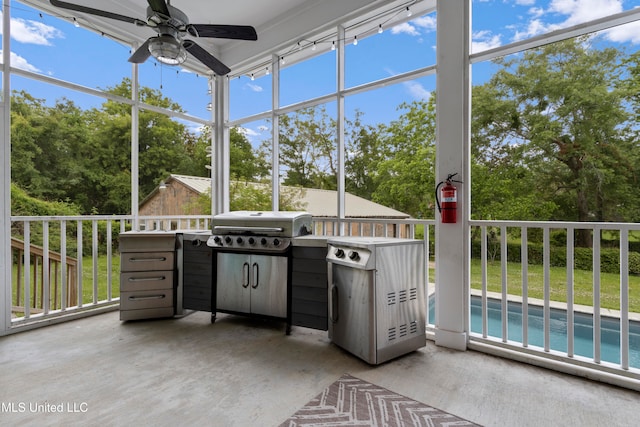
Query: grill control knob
x,y
263,241
239,240
228,240
217,240
252,241
276,242
339,253
354,256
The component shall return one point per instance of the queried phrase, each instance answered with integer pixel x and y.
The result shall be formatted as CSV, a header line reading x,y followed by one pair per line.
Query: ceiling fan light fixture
x,y
167,50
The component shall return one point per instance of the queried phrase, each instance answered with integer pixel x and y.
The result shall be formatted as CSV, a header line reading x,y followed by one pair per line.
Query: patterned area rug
x,y
353,402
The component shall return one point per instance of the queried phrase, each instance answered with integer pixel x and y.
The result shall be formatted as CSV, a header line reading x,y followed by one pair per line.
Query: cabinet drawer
x,y
146,261
146,280
146,299
146,313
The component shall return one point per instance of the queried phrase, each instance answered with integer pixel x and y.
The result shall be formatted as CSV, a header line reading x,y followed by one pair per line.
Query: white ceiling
x,y
280,24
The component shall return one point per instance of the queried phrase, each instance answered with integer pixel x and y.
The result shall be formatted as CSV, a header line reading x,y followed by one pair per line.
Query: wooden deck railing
x,y
40,298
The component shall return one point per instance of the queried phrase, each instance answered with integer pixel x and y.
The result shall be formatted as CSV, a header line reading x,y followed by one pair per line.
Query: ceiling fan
x,y
172,25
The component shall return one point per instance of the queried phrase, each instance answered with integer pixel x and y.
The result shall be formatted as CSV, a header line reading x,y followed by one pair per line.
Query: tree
x,y
556,112
362,156
406,174
44,141
308,149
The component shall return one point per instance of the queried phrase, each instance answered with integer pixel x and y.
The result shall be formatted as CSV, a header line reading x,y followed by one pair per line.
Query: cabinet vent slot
x,y
413,327
402,295
403,330
391,298
413,293
391,335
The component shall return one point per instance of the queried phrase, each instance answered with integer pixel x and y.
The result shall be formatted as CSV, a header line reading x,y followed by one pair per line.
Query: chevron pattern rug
x,y
353,402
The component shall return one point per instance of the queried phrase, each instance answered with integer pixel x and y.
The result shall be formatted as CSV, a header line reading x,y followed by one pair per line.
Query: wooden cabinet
x,y
147,275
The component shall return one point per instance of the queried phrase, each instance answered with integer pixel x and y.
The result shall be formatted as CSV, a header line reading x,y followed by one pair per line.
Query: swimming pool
x,y
583,329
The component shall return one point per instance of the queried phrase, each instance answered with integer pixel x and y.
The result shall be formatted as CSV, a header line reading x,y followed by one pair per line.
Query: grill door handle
x,y
256,275
334,304
245,275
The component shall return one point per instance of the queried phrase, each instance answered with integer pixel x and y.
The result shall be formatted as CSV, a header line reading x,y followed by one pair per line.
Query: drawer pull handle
x,y
162,296
147,259
146,279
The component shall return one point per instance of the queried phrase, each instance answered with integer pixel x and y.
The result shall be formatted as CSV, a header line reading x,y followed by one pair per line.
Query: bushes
x,y
583,257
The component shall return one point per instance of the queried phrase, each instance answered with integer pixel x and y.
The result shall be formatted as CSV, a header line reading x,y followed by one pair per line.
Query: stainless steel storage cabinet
x,y
147,275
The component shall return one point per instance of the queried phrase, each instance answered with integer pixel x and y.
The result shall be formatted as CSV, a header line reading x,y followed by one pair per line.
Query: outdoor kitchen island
x,y
268,265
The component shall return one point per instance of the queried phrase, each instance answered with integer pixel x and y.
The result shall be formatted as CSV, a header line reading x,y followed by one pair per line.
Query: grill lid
x,y
262,223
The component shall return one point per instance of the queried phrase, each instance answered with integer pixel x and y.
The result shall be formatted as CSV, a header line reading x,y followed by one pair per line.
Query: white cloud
x,y
18,61
33,32
525,2
248,132
254,87
405,28
580,11
413,27
417,91
536,12
625,33
485,40
427,23
535,27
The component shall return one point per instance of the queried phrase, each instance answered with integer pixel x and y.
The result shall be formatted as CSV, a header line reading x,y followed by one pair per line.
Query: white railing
x,y
569,306
505,293
67,266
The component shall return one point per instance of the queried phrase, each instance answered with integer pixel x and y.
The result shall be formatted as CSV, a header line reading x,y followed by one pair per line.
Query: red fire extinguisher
x,y
448,200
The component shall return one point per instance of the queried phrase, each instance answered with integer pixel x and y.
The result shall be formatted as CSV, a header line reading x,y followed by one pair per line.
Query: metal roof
x,y
318,202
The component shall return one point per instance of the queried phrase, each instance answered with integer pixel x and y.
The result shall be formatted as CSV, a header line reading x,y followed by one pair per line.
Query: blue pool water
x,y
583,329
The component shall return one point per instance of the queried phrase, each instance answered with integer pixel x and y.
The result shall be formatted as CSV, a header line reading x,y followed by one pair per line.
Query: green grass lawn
x,y
583,284
87,283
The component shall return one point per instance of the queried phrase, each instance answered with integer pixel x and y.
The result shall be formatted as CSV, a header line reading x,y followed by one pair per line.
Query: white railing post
x,y
547,288
596,295
504,284
624,299
524,260
570,291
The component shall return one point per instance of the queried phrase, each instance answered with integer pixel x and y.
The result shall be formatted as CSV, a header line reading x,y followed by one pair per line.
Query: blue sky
x,y
53,47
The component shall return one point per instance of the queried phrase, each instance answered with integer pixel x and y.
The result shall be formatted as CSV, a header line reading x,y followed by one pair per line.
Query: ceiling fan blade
x,y
238,32
159,6
206,58
92,11
141,54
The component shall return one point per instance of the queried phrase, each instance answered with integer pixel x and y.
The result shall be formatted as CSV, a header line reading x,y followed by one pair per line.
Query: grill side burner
x,y
252,255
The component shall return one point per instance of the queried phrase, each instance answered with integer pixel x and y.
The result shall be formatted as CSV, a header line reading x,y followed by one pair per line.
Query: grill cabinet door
x,y
269,285
352,311
233,282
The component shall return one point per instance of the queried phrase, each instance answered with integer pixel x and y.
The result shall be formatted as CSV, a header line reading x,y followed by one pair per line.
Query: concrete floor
x,y
247,372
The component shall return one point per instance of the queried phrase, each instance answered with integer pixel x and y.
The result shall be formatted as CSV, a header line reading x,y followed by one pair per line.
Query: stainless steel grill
x,y
253,261
258,231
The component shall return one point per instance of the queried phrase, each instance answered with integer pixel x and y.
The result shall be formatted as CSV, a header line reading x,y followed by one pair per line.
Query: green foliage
x,y
554,135
308,142
252,196
406,173
548,139
24,205
583,257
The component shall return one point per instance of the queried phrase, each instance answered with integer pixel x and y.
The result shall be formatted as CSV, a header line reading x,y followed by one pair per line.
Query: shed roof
x,y
318,202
